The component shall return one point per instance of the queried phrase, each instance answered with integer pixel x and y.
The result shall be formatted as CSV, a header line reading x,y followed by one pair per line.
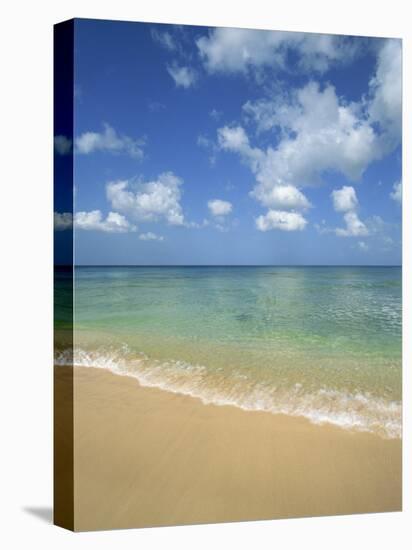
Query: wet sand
x,y
146,457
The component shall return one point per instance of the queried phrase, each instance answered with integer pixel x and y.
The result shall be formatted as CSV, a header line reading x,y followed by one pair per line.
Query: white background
x,y
26,272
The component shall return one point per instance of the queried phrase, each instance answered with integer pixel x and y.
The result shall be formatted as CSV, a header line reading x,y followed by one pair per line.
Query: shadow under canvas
x,y
43,513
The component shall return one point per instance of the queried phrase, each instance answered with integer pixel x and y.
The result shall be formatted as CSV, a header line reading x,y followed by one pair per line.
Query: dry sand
x,y
147,457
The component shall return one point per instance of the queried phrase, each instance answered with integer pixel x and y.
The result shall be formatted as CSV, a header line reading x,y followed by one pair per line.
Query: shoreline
x,y
349,409
148,457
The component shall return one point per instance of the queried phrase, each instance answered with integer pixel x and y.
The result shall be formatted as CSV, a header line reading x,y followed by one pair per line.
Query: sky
x,y
210,146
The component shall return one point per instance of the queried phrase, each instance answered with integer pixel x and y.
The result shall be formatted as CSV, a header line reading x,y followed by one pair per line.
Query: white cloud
x,y
63,221
278,219
344,199
316,130
374,227
150,237
62,145
241,50
285,197
149,201
234,139
354,226
218,207
386,90
94,221
276,111
234,50
183,76
165,39
272,189
110,141
396,194
319,133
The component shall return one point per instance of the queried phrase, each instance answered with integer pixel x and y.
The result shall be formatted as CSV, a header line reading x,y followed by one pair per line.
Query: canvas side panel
x,y
63,275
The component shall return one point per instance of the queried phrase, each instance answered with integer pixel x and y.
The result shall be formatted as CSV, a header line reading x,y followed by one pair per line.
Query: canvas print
x,y
228,283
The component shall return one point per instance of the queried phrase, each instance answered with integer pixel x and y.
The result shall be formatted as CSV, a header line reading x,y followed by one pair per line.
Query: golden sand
x,y
147,457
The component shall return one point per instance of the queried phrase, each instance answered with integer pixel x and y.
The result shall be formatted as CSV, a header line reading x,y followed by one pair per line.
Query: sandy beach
x,y
146,457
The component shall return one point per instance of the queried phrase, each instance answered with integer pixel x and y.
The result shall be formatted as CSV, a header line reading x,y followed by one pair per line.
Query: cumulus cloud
x,y
346,201
319,133
236,140
363,246
219,207
242,50
283,220
62,145
354,226
281,196
396,194
108,141
386,90
150,237
93,221
272,188
183,77
314,130
149,201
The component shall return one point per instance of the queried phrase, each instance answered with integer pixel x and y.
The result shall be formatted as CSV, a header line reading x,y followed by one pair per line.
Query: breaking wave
x,y
353,411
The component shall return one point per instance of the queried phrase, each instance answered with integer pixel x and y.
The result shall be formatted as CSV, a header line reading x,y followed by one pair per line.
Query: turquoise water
x,y
320,342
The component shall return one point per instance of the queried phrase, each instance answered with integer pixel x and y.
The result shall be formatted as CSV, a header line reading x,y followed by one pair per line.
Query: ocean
x,y
324,343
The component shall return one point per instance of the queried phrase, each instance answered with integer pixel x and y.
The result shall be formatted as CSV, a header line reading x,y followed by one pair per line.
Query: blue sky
x,y
197,145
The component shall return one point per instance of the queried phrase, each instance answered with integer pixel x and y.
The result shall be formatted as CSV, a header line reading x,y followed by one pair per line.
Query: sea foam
x,y
356,411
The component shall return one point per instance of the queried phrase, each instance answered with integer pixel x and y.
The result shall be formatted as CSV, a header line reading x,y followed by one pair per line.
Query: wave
x,y
357,411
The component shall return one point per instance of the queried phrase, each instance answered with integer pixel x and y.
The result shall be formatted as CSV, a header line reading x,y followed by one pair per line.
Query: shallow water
x,y
321,342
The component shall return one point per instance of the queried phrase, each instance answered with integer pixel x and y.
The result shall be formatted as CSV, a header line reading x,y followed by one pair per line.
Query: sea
x,y
324,343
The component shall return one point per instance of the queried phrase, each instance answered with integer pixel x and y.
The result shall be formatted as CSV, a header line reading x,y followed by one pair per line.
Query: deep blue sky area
x,y
196,145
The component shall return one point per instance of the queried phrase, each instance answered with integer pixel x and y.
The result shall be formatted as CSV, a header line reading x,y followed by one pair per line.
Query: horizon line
x,y
227,265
